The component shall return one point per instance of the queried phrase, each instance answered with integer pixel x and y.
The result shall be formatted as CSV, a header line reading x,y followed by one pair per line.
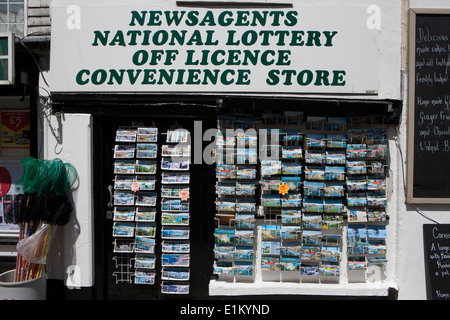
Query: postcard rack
x,y
151,206
327,181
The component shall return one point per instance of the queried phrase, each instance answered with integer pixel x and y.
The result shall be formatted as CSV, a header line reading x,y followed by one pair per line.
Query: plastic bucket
x,y
34,289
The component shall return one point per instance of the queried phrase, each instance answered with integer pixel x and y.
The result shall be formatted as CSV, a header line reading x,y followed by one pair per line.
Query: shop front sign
x,y
159,47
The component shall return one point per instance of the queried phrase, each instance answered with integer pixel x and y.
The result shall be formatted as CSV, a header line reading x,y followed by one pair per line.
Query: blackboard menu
x,y
431,103
436,242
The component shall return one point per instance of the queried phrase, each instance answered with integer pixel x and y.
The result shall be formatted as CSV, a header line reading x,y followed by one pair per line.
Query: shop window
x,y
300,198
12,17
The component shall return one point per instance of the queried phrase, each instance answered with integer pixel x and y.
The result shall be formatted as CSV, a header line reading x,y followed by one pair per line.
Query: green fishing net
x,y
41,176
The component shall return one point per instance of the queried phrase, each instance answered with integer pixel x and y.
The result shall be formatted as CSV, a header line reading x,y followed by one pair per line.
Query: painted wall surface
x,y
69,138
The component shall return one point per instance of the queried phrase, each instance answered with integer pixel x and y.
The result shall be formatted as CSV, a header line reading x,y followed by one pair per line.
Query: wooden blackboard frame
x,y
411,106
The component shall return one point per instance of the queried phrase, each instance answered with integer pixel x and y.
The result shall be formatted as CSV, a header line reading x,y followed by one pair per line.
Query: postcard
x,y
175,246
123,182
146,150
123,229
334,173
376,199
294,183
333,206
311,221
245,189
224,251
270,185
356,167
224,189
172,191
291,168
291,216
124,166
336,141
147,134
356,183
225,219
313,189
291,248
176,219
329,270
291,152
123,198
332,222
244,253
376,214
245,205
376,232
314,173
175,164
177,135
312,237
175,260
124,151
177,150
174,205
224,235
145,166
145,244
145,229
174,288
356,263
144,214
144,261
244,237
315,157
270,232
356,239
330,254
146,183
333,189
226,206
356,151
377,261
245,221
126,135
356,200
269,263
270,167
175,274
243,268
357,215
376,184
144,277
291,232
223,268
271,200
289,264
174,233
377,150
291,201
310,253
226,171
309,270
289,136
123,214
335,157
313,205
247,173
175,178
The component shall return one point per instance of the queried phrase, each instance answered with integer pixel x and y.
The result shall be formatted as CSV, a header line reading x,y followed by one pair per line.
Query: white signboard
x,y
110,46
